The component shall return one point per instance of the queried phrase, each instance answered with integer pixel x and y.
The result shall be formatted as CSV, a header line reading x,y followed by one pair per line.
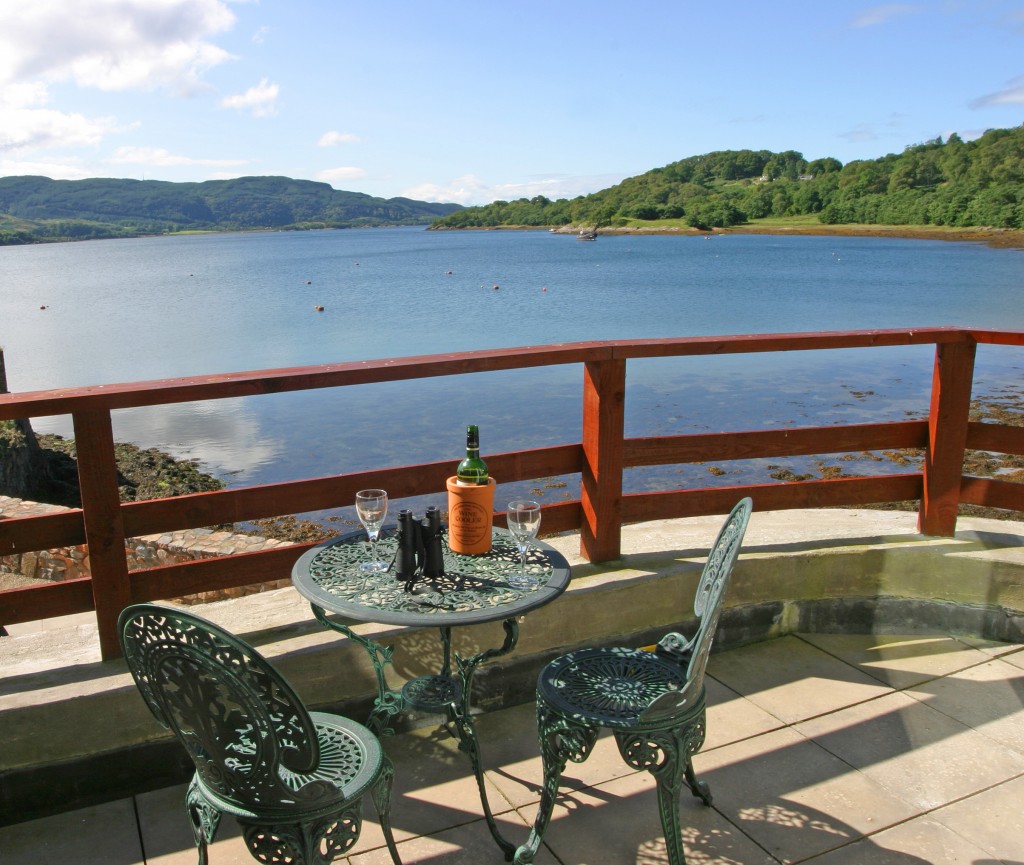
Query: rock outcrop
x,y
21,458
22,465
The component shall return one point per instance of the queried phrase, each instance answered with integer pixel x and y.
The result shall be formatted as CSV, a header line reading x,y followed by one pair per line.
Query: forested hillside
x,y
34,209
952,183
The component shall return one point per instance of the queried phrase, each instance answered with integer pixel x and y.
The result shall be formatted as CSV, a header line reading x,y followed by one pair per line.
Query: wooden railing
x,y
600,457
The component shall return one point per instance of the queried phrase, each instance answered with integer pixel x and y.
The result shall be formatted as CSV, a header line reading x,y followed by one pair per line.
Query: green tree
x,y
952,183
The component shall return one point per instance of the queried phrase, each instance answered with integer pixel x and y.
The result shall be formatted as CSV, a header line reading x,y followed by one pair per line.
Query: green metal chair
x,y
293,779
652,701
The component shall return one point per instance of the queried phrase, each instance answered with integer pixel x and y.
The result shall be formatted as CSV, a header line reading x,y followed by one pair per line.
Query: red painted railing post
x,y
104,525
604,398
947,437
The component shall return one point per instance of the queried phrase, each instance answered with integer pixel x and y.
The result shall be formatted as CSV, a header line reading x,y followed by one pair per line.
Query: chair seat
x,y
350,761
610,687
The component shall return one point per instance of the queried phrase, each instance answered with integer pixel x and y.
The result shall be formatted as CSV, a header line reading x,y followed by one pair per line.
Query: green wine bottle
x,y
472,471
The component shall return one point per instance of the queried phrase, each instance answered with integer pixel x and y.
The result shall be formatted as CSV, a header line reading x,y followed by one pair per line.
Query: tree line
x,y
34,209
951,183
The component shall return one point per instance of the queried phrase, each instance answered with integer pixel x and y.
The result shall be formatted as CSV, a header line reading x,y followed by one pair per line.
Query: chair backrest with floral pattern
x,y
246,730
707,604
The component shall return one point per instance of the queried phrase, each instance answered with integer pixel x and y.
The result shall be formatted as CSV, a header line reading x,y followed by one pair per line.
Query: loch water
x,y
150,308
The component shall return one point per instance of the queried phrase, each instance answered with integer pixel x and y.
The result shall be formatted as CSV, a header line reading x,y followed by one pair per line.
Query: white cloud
x,y
556,187
333,139
177,67
877,15
339,175
58,170
1012,94
470,189
26,94
23,129
462,190
102,44
162,157
112,44
260,100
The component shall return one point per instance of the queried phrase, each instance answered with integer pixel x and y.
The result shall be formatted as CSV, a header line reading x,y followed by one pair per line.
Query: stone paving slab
x,y
616,823
98,835
793,797
992,820
988,697
922,841
894,779
899,661
787,679
917,753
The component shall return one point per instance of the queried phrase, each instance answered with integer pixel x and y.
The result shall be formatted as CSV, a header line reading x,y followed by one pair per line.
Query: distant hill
x,y
951,183
35,209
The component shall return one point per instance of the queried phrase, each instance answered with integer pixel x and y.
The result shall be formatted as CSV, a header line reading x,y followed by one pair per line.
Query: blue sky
x,y
475,101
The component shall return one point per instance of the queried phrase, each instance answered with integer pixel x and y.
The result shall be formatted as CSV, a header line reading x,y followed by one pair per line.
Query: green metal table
x,y
472,591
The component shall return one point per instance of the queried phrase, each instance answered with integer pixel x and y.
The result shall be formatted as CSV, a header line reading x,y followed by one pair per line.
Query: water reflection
x,y
225,437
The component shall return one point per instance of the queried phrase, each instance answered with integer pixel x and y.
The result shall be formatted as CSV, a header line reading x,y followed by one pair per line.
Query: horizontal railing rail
x,y
599,458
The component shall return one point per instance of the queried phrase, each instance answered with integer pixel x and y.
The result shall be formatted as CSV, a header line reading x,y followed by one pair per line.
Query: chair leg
x,y
699,788
691,739
554,764
668,809
666,755
204,820
381,794
560,741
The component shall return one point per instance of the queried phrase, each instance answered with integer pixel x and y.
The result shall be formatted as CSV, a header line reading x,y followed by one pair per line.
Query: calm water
x,y
160,307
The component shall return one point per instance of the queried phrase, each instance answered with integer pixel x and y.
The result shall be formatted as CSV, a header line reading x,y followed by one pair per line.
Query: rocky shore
x,y
998,237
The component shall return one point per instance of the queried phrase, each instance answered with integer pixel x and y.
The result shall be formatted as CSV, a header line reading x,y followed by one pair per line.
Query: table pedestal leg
x,y
435,693
388,703
461,720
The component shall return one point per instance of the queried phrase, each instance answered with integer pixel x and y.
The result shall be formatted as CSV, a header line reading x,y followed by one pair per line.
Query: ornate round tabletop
x,y
473,589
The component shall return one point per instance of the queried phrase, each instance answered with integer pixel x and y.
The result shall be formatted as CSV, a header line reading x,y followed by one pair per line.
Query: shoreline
x,y
1001,238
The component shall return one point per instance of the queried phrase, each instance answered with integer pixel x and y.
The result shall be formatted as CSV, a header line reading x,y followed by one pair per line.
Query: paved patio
x,y
831,749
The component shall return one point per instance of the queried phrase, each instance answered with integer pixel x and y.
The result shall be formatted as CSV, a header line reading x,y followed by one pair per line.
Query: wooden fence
x,y
600,458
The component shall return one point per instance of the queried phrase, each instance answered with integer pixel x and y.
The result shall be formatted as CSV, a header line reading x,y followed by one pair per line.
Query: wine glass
x,y
372,507
523,518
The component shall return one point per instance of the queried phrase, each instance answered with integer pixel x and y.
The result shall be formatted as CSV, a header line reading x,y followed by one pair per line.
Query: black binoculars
x,y
419,546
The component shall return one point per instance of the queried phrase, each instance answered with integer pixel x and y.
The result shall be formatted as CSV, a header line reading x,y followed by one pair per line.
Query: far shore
x,y
1007,238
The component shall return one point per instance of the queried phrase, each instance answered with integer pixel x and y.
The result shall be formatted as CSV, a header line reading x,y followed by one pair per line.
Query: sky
x,y
469,101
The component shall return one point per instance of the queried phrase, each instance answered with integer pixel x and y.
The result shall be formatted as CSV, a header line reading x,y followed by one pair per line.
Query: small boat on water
x,y
587,235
